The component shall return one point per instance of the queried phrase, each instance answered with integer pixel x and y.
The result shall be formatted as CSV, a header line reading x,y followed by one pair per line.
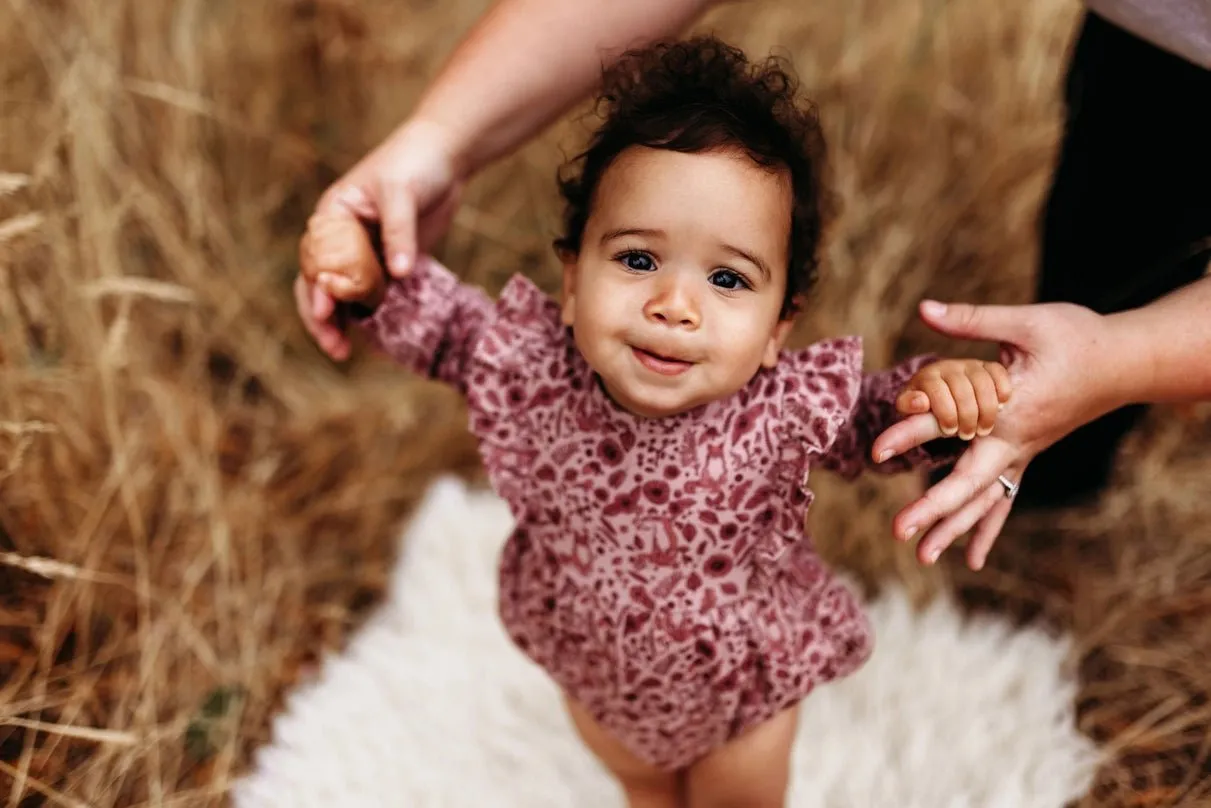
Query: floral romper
x,y
659,570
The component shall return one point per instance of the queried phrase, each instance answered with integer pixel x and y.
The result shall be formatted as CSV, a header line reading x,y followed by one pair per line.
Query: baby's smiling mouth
x,y
661,363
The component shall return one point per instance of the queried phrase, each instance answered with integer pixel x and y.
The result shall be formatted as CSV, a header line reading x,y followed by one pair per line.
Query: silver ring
x,y
1011,488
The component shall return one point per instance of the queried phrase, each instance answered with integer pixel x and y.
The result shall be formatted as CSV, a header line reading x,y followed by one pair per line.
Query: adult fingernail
x,y
352,195
909,532
884,455
950,431
933,308
966,435
983,433
933,554
400,264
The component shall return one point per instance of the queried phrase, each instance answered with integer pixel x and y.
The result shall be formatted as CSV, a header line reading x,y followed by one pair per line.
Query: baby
x,y
652,436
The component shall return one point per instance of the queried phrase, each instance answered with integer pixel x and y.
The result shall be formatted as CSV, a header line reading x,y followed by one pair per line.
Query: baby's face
x,y
676,295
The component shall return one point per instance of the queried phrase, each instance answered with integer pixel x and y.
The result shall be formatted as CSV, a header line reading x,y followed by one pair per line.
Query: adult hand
x,y
1062,366
411,185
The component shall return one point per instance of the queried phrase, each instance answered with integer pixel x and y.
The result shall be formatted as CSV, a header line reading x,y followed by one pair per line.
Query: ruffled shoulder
x,y
527,328
821,385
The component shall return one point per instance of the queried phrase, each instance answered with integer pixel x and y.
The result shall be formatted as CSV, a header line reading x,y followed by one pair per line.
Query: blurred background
x,y
195,504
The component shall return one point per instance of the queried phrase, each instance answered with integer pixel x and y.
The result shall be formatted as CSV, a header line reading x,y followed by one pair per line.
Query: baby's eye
x,y
728,279
635,260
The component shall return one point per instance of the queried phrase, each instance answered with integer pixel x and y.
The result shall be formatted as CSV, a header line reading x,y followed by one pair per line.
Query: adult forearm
x,y
527,61
1164,349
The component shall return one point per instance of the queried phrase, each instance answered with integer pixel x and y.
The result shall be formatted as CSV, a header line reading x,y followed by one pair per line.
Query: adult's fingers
x,y
399,220
303,302
990,526
989,323
905,435
434,223
949,529
977,469
323,306
326,334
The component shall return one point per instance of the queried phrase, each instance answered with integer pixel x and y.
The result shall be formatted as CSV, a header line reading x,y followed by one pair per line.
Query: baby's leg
x,y
645,785
752,771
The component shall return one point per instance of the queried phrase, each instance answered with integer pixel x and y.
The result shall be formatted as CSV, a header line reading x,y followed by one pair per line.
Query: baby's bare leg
x,y
645,785
752,771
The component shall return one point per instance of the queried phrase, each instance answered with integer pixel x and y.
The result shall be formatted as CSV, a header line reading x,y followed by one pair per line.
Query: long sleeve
x,y
873,412
430,323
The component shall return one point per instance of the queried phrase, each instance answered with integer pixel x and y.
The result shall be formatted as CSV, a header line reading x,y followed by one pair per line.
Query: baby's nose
x,y
674,305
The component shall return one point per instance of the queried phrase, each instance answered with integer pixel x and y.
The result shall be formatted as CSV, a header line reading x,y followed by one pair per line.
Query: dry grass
x,y
194,505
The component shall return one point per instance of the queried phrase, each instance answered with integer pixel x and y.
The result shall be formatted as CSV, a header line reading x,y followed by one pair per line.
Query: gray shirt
x,y
1182,27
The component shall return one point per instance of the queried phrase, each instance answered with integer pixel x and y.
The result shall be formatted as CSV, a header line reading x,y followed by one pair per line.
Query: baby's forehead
x,y
685,192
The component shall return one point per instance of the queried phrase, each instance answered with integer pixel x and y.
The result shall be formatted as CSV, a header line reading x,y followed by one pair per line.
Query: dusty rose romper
x,y
659,570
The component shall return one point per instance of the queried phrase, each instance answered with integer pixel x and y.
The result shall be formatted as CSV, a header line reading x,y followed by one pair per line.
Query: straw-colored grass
x,y
194,504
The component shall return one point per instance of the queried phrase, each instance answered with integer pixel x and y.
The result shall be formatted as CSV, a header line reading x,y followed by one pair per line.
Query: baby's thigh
x,y
646,785
750,771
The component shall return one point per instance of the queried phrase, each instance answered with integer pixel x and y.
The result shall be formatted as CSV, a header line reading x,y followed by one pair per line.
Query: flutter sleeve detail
x,y
430,322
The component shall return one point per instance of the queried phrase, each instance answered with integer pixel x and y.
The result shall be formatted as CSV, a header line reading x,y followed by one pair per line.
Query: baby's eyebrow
x,y
610,235
747,256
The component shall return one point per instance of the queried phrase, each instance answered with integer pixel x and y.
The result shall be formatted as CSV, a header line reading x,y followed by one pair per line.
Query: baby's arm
x,y
970,409
427,321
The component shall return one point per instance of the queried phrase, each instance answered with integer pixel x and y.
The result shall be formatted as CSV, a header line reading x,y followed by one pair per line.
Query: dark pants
x,y
1128,216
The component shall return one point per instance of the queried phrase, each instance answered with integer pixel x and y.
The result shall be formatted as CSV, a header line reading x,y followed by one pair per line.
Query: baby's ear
x,y
777,339
568,291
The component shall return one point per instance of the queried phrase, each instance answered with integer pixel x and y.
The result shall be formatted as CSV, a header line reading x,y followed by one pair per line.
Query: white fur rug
x,y
431,705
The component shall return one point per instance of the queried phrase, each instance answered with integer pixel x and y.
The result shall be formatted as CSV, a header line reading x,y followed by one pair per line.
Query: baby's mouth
x,y
659,363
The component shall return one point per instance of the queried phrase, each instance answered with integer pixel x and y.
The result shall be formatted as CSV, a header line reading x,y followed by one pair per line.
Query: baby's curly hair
x,y
698,95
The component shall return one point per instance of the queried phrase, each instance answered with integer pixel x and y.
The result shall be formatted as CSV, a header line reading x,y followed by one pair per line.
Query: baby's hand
x,y
964,395
336,254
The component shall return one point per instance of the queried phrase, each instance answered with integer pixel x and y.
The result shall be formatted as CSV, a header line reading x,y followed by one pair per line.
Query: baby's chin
x,y
661,404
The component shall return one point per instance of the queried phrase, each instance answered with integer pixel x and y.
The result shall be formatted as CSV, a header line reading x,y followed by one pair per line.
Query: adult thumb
x,y
983,323
399,219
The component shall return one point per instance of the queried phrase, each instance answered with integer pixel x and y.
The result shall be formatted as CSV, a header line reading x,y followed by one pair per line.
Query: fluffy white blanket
x,y
430,705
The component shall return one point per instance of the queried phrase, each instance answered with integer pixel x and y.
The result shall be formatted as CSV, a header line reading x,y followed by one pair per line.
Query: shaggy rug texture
x,y
430,704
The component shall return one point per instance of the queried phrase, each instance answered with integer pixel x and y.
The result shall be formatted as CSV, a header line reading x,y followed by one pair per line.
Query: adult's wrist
x,y
1125,361
440,141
